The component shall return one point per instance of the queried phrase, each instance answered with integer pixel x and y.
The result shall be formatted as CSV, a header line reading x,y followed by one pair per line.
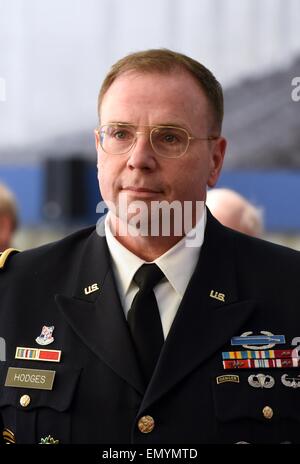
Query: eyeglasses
x,y
166,141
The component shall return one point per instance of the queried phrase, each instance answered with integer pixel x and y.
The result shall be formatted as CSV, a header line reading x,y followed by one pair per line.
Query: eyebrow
x,y
121,122
165,124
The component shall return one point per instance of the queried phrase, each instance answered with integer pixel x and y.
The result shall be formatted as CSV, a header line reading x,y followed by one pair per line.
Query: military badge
x,y
261,363
260,354
261,381
227,378
258,342
45,338
37,354
292,382
48,441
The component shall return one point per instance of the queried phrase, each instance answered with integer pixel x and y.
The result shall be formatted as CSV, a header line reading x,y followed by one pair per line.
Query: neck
x,y
146,247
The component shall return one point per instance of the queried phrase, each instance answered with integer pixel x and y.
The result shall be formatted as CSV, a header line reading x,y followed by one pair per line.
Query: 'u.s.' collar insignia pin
x,y
217,295
46,337
91,288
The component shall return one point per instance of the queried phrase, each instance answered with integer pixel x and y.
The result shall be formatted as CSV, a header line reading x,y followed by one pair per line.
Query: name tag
x,y
29,378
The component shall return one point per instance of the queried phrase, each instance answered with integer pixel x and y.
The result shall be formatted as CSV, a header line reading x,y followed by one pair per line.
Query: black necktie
x,y
144,319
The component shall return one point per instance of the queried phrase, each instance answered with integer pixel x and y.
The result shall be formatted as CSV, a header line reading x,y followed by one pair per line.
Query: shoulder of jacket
x,y
5,254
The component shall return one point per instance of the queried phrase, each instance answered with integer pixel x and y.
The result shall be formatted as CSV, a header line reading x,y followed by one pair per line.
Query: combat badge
x,y
258,342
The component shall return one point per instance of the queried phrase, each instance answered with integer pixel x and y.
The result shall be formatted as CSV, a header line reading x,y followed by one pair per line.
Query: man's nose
x,y
141,155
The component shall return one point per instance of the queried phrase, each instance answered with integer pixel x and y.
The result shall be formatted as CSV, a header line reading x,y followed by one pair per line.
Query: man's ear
x,y
97,141
217,158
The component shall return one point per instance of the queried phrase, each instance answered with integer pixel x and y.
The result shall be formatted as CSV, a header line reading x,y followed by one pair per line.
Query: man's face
x,y
158,99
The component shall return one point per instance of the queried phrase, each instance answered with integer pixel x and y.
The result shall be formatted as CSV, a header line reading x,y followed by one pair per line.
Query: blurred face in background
x,y
7,228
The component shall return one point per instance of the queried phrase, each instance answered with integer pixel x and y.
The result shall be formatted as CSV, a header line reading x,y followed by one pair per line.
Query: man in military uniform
x,y
118,335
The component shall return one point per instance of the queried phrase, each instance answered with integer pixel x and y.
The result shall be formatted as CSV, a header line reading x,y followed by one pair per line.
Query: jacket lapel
x,y
203,323
97,317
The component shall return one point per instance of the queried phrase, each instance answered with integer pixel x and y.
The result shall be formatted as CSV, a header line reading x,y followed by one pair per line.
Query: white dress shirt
x,y
177,264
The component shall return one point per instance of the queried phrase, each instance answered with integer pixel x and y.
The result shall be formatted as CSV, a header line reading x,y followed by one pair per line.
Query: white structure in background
x,y
2,90
54,54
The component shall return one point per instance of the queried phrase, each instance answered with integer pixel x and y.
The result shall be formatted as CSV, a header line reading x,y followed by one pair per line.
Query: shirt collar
x,y
183,255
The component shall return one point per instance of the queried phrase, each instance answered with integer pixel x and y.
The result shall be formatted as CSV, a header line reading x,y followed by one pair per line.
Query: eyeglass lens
x,y
166,141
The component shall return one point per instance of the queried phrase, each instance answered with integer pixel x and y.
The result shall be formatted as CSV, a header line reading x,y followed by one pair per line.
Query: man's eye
x,y
120,135
170,138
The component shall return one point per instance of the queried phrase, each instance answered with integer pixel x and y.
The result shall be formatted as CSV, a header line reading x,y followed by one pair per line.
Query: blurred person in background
x,y
8,217
235,211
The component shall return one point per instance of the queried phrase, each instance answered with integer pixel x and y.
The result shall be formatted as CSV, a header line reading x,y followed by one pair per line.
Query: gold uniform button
x,y
146,424
268,412
25,401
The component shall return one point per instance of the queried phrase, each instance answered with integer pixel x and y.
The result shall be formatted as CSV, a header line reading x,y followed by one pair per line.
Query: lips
x,y
141,189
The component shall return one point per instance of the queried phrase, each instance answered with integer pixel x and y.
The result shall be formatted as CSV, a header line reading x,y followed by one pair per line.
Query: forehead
x,y
158,97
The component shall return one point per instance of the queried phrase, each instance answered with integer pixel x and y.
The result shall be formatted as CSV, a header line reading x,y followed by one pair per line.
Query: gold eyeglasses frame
x,y
153,128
